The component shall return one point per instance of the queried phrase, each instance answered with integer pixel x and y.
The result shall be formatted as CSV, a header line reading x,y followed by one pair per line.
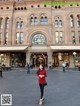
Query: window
x,y
0,37
18,8
78,20
46,20
39,39
6,38
59,37
56,23
71,21
38,6
20,24
32,6
19,38
33,20
43,20
1,23
73,37
7,7
21,8
7,23
60,23
25,8
79,35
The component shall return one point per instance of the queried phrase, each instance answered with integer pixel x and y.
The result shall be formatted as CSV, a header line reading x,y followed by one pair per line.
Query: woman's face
x,y
41,67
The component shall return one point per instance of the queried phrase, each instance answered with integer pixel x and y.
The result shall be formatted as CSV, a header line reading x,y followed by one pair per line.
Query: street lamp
x,y
74,54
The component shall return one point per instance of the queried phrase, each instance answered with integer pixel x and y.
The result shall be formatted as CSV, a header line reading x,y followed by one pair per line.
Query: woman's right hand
x,y
41,76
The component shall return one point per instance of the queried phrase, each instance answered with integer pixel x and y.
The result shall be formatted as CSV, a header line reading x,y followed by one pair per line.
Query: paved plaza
x,y
63,88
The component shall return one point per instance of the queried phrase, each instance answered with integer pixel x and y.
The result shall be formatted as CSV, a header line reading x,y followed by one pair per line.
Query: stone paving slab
x,y
63,88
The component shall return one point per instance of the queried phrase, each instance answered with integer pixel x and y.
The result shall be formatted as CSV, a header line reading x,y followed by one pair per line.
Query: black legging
x,y
41,90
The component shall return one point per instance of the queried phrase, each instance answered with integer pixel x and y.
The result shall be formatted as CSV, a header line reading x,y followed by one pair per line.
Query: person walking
x,y
41,73
0,69
28,68
64,66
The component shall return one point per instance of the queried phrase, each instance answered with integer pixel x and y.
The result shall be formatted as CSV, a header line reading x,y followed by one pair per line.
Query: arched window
x,y
56,23
71,21
1,23
6,38
60,23
7,23
78,20
46,20
39,39
19,37
33,20
19,24
43,20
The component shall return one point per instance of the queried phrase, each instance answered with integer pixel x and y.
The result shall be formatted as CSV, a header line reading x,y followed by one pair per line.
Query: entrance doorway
x,y
56,60
18,59
39,58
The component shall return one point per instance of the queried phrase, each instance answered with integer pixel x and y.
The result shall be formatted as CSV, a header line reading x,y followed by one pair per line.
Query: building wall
x,y
49,30
22,11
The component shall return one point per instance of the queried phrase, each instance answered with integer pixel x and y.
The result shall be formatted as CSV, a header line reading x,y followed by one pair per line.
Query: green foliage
x,y
61,3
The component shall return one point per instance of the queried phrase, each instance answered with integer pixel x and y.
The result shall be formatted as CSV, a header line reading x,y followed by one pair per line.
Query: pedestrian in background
x,y
50,65
64,66
41,73
1,69
28,68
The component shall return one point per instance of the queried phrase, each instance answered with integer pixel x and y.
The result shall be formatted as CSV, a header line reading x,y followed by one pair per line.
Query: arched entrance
x,y
38,40
39,58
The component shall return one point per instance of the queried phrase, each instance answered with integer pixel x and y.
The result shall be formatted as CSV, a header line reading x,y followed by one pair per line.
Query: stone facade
x,y
40,27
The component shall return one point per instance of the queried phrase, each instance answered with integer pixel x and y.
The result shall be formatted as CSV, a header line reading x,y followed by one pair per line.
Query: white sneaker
x,y
40,102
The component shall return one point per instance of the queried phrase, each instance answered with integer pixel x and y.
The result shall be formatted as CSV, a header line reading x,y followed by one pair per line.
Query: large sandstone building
x,y
33,31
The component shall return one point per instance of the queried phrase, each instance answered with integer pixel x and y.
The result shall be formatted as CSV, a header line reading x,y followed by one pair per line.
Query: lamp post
x,y
74,54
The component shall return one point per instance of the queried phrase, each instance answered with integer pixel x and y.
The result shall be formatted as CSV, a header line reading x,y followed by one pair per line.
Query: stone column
x,y
49,53
28,54
71,61
7,59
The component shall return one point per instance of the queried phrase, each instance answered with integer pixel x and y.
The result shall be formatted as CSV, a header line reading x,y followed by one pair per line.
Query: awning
x,y
65,47
13,48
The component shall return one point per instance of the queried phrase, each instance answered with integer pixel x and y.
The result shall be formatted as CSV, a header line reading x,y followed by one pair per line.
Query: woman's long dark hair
x,y
39,68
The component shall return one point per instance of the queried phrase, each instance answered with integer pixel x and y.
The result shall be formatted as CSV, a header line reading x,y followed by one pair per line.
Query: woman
x,y
42,81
